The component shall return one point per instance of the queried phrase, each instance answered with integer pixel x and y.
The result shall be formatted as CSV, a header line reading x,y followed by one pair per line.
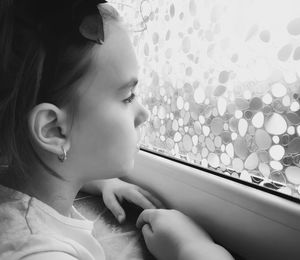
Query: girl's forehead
x,y
114,62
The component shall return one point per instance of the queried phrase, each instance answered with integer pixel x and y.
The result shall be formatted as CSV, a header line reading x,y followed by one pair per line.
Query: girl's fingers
x,y
152,198
139,199
147,232
114,206
145,217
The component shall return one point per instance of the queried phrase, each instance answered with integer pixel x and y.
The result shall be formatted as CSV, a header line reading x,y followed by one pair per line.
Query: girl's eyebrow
x,y
132,83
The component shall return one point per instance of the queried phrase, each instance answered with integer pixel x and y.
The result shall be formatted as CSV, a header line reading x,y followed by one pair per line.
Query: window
x,y
222,82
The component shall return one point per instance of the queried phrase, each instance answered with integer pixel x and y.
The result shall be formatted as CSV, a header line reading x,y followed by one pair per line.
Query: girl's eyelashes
x,y
130,98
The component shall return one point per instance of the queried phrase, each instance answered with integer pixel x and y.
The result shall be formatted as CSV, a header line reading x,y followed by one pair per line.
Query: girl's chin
x,y
126,168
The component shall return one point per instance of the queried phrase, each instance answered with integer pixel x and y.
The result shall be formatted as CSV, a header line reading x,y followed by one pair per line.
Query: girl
x,y
67,119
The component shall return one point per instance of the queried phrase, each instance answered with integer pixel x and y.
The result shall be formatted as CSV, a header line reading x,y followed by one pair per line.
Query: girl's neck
x,y
56,193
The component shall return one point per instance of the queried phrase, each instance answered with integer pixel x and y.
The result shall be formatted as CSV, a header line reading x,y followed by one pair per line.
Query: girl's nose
x,y
142,115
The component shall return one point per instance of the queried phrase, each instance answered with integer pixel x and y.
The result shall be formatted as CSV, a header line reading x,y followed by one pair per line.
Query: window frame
x,y
252,223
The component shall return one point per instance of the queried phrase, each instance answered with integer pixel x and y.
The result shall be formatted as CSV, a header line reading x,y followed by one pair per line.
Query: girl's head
x,y
67,79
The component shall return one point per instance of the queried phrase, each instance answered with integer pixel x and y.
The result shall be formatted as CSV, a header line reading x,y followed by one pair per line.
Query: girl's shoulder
x,y
29,227
13,207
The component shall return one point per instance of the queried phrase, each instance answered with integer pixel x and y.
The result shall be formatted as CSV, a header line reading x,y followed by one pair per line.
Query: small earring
x,y
62,157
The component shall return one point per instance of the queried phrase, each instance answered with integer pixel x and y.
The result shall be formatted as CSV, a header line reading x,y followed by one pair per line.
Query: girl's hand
x,y
114,191
169,234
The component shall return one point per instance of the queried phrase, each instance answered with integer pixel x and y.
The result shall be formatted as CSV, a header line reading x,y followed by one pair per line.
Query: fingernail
x,y
120,218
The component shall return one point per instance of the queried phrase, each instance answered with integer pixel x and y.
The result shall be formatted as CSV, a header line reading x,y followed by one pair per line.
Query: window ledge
x,y
253,223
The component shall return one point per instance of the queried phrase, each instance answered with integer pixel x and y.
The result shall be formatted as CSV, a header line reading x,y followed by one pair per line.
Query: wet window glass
x,y
222,82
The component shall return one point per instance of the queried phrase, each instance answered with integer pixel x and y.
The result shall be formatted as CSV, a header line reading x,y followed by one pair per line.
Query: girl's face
x,y
105,129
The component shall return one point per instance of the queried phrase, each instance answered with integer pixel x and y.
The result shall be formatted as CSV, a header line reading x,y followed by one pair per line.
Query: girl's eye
x,y
130,98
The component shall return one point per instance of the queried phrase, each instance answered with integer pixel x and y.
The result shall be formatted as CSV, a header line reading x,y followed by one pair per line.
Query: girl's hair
x,y
42,57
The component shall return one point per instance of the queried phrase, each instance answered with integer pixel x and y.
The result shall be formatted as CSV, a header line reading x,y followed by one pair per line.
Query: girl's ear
x,y
48,126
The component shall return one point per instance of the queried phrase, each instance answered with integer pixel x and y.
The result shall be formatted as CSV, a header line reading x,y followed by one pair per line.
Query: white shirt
x,y
30,229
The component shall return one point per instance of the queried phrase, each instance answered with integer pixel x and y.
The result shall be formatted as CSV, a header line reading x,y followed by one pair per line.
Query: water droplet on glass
x,y
186,45
285,52
231,108
175,125
275,139
218,141
276,152
286,101
206,130
168,35
180,103
289,76
255,104
168,53
234,57
241,103
213,160
204,152
172,10
242,126
224,76
248,114
210,144
240,148
294,106
219,90
294,146
146,49
258,120
226,137
195,139
193,7
230,150
237,164
233,124
277,177
199,95
170,143
238,114
187,143
155,38
221,104
217,125
181,15
276,165
225,159
263,139
296,55
251,162
293,118
162,130
293,174
276,125
264,169
161,112
278,106
263,156
267,111
293,26
267,99
265,36
278,90
177,137
197,127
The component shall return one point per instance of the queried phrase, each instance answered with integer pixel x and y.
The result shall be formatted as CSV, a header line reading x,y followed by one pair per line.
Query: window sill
x,y
253,223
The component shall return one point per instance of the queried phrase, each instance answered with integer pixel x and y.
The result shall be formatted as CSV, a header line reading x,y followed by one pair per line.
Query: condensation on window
x,y
221,80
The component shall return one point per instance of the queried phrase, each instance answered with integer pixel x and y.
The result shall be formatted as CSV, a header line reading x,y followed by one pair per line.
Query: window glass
x,y
221,80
